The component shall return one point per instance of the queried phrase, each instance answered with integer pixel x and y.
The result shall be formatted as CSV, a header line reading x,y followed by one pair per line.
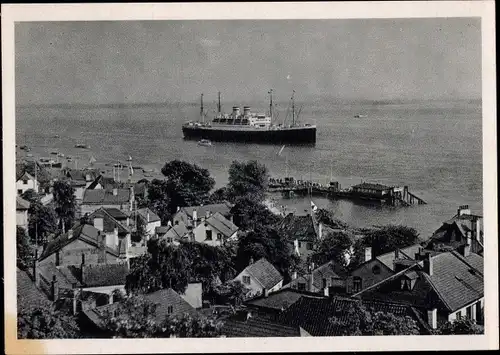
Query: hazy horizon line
x,y
191,103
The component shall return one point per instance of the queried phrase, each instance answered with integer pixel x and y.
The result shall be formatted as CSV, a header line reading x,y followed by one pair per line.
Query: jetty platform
x,y
369,192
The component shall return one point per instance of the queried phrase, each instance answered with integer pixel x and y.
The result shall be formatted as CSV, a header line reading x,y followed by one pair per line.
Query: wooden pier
x,y
372,193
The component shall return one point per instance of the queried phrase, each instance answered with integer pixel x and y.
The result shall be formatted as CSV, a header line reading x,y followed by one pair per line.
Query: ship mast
x,y
271,104
218,105
201,110
293,108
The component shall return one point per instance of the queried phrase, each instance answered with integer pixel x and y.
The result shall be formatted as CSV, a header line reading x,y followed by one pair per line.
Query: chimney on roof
x,y
478,230
428,267
432,318
396,254
82,269
294,275
320,230
326,291
467,246
115,241
101,246
115,191
207,214
265,292
463,210
99,223
368,254
251,261
195,218
70,234
54,289
147,216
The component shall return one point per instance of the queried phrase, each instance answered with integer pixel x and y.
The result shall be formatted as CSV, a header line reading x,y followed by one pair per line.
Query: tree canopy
x,y
135,317
187,184
333,247
248,179
41,322
460,326
24,249
266,242
249,214
42,222
361,321
168,265
65,202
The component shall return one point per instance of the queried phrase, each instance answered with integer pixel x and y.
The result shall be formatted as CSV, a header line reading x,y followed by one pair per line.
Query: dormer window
x,y
405,284
408,281
376,269
356,284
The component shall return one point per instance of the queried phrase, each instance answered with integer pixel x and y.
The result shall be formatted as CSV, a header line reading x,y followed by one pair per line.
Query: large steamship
x,y
249,127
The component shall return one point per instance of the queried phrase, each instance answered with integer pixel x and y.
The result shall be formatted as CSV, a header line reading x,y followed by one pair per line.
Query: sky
x,y
175,61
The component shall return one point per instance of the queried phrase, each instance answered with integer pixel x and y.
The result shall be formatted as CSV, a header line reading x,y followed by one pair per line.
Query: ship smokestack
x,y
246,111
236,111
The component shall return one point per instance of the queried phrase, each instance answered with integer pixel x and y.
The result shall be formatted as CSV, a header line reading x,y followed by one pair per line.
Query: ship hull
x,y
293,135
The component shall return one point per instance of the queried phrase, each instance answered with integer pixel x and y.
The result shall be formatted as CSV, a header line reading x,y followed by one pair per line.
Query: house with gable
x,y
376,269
173,234
22,207
148,218
26,182
115,231
302,232
214,230
453,234
441,286
260,277
121,199
327,279
80,180
194,215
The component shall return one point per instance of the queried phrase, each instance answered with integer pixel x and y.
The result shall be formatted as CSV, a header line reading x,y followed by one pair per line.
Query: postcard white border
x,y
113,12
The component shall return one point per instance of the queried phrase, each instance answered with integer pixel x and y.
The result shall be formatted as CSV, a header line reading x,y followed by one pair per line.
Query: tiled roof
x,y
105,197
22,204
455,282
27,293
281,299
298,227
162,229
116,213
367,185
110,223
176,232
222,208
222,224
235,327
168,297
405,253
313,314
143,212
265,273
84,232
25,176
95,275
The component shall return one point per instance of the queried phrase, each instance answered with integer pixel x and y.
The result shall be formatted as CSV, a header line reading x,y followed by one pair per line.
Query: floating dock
x,y
369,192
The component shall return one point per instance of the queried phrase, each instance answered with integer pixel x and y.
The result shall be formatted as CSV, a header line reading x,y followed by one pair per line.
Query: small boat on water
x,y
205,143
25,147
54,153
60,155
360,116
83,146
57,136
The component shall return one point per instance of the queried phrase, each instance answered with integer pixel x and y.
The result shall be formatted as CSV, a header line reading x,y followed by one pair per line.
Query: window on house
x,y
309,246
209,234
170,240
405,284
170,309
301,286
25,182
324,283
376,269
459,314
468,311
300,244
246,280
356,284
219,236
19,192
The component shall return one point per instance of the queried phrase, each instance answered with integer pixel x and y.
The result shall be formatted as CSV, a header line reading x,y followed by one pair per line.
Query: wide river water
x,y
435,148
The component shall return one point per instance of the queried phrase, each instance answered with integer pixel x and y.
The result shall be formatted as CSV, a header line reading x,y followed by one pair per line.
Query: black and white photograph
x,y
250,177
